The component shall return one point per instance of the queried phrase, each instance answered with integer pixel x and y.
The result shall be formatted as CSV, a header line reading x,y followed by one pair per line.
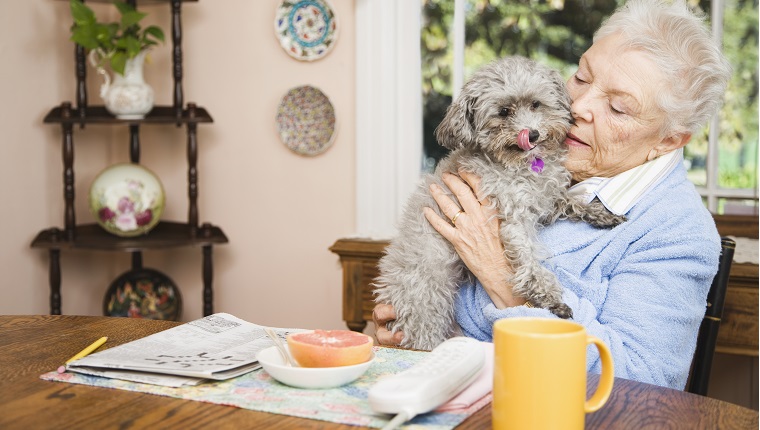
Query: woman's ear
x,y
669,144
457,129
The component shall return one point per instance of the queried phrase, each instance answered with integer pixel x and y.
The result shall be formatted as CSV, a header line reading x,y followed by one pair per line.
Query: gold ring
x,y
454,218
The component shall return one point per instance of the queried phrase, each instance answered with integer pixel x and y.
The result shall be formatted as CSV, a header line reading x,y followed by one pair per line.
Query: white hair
x,y
678,41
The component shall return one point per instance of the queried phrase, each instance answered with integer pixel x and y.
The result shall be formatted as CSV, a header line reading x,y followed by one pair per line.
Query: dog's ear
x,y
457,130
560,87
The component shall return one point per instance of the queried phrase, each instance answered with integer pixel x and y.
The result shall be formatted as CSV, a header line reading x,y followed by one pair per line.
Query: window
x,y
722,160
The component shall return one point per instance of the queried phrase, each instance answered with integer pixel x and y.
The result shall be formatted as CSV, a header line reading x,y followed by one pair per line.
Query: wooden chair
x,y
708,331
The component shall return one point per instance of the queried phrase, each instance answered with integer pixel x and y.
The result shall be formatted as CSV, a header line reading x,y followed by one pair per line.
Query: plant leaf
x,y
123,7
83,36
82,14
131,18
155,32
118,41
104,35
119,62
133,46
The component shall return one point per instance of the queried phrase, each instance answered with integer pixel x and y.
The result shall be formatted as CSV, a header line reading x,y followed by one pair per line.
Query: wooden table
x,y
33,345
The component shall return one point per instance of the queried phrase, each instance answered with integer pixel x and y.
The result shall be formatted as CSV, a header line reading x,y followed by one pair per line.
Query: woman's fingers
x,y
473,181
448,206
386,337
440,225
381,315
475,234
463,192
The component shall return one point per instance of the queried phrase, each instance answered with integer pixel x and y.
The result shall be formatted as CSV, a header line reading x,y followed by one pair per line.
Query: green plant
x,y
115,42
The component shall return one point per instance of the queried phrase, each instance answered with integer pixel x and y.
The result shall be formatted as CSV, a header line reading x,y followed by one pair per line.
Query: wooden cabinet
x,y
358,258
167,234
738,332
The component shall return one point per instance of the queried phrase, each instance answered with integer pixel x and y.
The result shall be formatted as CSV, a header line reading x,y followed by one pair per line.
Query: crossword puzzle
x,y
214,324
201,359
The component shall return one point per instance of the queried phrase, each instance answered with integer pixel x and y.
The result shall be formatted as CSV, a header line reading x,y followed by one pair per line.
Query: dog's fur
x,y
420,272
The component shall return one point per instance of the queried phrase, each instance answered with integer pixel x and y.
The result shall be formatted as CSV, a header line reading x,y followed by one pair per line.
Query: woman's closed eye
x,y
579,79
617,110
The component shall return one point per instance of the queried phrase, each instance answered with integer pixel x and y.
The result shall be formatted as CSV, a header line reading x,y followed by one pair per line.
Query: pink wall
x,y
281,211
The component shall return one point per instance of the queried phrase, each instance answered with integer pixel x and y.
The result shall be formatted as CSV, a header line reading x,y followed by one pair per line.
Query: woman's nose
x,y
581,106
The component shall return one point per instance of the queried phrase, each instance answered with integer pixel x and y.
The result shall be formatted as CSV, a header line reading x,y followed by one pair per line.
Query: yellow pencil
x,y
95,345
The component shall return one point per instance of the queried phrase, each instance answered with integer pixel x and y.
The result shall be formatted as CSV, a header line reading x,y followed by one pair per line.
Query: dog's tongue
x,y
523,140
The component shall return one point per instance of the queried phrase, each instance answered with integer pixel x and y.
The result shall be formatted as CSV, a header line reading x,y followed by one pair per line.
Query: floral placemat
x,y
258,391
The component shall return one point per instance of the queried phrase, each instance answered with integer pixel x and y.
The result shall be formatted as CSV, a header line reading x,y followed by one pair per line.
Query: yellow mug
x,y
540,374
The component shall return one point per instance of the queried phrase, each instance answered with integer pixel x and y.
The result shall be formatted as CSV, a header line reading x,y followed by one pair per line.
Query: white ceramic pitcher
x,y
128,97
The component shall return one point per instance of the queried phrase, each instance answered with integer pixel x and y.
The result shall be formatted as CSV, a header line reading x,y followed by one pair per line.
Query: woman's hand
x,y
382,315
474,235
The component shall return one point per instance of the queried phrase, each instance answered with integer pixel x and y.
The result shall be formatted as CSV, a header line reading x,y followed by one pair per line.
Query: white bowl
x,y
309,377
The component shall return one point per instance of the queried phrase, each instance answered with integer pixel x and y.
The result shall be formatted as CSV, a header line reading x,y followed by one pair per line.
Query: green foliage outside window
x,y
557,32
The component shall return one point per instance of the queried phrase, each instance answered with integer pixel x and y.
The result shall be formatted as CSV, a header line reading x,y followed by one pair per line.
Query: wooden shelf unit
x,y
166,234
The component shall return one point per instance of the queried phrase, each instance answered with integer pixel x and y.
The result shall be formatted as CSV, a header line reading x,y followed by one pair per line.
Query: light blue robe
x,y
641,287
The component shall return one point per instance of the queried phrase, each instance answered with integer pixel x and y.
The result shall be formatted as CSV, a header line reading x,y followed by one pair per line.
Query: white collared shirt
x,y
621,192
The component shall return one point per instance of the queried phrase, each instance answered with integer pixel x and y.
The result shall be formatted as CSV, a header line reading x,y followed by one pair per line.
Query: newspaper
x,y
219,346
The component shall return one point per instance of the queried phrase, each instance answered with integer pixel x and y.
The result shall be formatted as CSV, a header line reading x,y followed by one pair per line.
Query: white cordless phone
x,y
445,372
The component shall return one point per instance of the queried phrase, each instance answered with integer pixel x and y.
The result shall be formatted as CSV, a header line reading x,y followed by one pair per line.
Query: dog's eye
x,y
504,112
535,105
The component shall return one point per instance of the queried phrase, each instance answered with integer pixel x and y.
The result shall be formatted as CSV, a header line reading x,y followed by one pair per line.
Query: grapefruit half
x,y
329,348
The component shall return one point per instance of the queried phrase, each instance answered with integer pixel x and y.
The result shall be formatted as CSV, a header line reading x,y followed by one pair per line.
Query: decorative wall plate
x,y
143,293
306,120
127,199
307,29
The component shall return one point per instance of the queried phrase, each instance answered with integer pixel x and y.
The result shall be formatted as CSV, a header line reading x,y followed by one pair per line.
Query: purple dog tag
x,y
537,165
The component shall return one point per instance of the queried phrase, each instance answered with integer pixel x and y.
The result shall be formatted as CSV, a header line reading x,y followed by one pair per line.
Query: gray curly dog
x,y
508,127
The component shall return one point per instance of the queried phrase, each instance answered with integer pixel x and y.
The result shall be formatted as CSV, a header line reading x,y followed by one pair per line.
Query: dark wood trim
x,y
737,225
99,115
166,234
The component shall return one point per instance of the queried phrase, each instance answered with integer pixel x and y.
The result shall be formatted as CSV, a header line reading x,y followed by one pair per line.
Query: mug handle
x,y
604,388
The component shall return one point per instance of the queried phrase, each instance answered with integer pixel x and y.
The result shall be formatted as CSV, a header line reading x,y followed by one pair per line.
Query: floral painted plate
x,y
307,29
143,293
306,120
127,199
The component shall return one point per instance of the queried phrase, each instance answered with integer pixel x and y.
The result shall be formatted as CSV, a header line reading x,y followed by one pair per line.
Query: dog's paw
x,y
596,214
609,220
562,310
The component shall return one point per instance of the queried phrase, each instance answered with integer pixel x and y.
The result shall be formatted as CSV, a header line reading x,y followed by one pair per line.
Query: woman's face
x,y
617,124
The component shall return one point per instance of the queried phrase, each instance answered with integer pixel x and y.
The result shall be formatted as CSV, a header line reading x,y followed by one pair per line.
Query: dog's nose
x,y
533,136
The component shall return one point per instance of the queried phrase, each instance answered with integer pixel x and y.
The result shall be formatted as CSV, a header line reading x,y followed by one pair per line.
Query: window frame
x,y
389,129
388,112
712,192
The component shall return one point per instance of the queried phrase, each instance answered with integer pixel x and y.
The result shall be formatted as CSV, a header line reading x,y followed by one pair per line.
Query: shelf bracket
x,y
68,172
177,58
208,275
55,282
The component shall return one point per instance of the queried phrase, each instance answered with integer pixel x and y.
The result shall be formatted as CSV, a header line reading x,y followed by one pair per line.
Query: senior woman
x,y
651,79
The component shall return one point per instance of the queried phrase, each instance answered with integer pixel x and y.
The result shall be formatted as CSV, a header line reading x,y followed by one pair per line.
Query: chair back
x,y
708,330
